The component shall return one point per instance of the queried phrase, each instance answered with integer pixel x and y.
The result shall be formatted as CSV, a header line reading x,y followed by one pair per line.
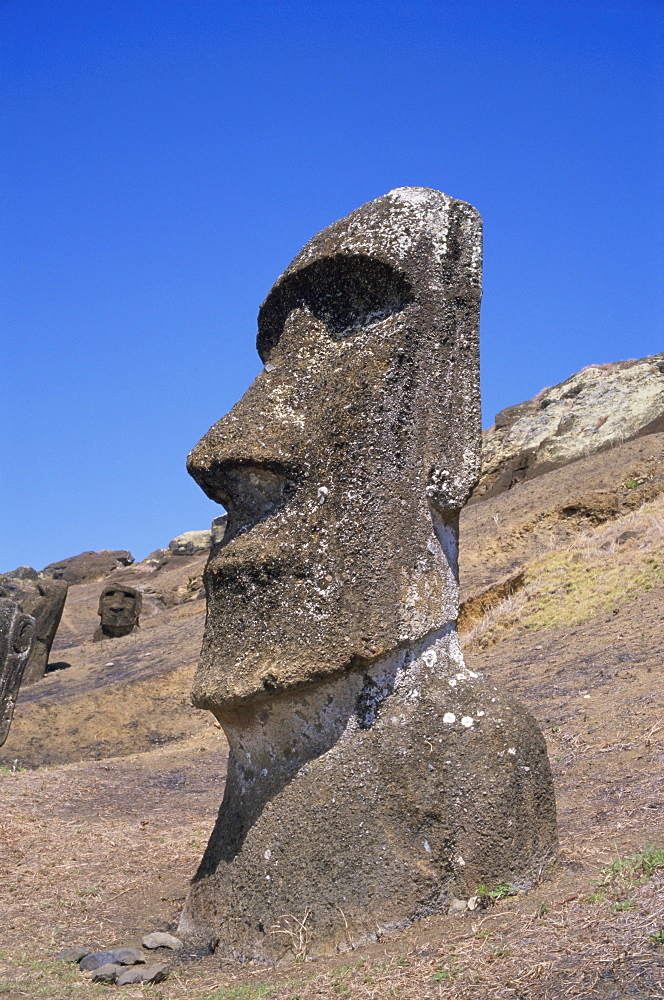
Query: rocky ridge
x,y
600,407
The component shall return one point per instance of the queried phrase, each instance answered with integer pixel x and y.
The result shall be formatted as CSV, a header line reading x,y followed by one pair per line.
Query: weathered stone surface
x,y
119,608
371,777
128,956
597,408
435,785
189,543
161,939
17,633
88,566
46,605
130,977
20,573
72,954
107,973
218,529
155,974
96,960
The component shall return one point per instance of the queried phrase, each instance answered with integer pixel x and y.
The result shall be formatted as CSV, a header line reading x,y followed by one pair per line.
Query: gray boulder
x,y
597,408
189,543
88,566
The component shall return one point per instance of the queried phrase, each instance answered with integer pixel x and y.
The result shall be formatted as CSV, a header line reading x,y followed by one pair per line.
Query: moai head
x,y
17,633
119,608
345,464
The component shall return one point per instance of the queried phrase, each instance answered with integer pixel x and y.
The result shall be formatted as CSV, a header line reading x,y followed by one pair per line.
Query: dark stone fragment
x,y
128,956
17,632
106,973
151,974
45,605
130,977
626,536
96,959
72,954
155,974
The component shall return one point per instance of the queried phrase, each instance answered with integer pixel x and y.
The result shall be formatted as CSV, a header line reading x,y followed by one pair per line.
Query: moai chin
x,y
119,608
17,633
371,775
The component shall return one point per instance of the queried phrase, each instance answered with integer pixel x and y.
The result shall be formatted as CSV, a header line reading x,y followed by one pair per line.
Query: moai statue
x,y
45,605
372,776
17,632
119,608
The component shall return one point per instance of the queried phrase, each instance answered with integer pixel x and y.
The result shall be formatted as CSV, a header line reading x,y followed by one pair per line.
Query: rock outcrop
x,y
88,566
190,542
597,408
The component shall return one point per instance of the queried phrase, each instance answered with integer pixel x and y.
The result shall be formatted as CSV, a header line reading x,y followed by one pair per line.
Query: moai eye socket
x,y
346,292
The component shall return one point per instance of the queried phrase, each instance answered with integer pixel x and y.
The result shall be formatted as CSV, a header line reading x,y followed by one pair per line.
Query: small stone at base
x,y
160,939
106,973
128,956
72,954
96,959
153,974
129,977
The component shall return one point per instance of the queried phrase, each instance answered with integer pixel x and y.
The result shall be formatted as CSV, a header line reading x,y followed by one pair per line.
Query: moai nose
x,y
253,459
249,491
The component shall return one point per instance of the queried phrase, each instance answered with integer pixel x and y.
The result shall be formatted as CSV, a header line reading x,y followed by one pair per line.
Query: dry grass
x,y
85,860
596,571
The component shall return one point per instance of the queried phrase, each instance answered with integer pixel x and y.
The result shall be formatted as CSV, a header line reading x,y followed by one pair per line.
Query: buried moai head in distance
x,y
344,466
119,608
371,776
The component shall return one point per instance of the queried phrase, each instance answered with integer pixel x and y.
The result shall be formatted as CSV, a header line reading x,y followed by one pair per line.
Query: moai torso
x,y
17,632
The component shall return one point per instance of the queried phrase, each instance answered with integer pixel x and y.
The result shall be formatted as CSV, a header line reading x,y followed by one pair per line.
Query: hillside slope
x,y
135,774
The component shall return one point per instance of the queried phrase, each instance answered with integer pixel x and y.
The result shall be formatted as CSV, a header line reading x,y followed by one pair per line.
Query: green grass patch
x,y
14,768
568,588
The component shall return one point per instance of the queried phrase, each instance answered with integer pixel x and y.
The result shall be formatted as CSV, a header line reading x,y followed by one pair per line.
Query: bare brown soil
x,y
102,831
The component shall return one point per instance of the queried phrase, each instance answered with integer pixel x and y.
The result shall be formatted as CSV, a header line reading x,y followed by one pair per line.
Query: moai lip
x,y
17,633
119,608
371,777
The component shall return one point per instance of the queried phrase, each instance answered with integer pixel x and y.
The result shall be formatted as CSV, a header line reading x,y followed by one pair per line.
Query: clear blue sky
x,y
162,162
